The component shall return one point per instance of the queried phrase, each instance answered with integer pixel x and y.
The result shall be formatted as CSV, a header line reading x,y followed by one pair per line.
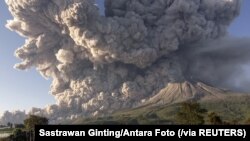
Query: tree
x,y
191,113
9,124
19,125
33,120
18,135
214,119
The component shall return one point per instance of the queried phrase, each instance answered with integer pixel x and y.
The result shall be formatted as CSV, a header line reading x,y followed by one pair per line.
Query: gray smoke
x,y
222,63
14,117
103,63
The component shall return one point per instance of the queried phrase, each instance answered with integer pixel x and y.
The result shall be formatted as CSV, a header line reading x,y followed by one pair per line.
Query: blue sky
x,y
26,89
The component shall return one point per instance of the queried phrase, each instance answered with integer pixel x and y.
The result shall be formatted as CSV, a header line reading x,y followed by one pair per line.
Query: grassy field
x,y
5,132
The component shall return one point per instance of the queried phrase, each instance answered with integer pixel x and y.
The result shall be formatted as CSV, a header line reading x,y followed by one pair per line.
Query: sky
x,y
25,89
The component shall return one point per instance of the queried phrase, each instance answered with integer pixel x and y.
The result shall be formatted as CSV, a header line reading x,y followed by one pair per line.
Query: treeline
x,y
27,133
187,113
191,113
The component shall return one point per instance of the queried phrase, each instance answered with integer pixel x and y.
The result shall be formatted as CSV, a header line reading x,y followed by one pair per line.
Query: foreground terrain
x,y
163,108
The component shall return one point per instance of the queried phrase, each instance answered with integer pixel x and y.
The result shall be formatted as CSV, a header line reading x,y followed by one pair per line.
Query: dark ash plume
x,y
103,63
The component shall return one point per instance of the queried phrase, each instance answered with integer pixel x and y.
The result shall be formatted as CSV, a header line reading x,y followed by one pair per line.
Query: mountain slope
x,y
180,92
163,107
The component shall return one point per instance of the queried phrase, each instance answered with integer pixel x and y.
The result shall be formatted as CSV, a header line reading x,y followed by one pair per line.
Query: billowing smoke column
x,y
223,63
103,63
15,117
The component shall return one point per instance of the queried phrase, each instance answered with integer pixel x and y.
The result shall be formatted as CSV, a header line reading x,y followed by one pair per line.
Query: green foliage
x,y
18,135
214,119
231,110
17,132
33,120
19,125
190,113
6,130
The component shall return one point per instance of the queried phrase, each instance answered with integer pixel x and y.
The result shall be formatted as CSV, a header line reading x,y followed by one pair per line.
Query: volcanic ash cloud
x,y
103,63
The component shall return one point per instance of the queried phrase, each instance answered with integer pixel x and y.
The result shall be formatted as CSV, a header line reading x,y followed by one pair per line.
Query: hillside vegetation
x,y
163,108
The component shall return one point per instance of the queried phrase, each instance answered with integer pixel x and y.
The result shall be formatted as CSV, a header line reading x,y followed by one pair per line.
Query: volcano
x,y
136,54
186,91
163,106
